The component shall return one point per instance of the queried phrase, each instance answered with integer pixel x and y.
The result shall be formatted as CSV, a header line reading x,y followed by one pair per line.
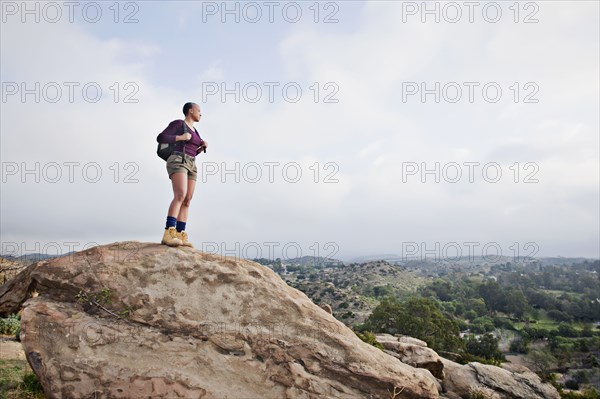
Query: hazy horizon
x,y
129,251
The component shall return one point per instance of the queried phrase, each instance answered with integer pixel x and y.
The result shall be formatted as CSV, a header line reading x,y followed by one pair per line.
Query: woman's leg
x,y
179,183
185,205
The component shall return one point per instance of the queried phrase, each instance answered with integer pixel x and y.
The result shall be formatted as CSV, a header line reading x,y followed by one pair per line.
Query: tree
x,y
470,315
478,306
558,315
482,325
492,294
417,317
442,289
567,330
516,303
485,346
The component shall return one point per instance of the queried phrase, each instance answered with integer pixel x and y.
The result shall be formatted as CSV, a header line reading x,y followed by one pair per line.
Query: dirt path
x,y
11,349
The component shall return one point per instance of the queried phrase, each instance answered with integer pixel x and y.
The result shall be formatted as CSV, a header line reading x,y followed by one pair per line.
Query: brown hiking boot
x,y
170,238
182,235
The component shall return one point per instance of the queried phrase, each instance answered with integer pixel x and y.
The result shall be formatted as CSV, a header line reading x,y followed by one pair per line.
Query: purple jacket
x,y
175,128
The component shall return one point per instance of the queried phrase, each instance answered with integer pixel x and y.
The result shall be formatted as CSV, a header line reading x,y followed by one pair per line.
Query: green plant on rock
x,y
466,358
102,300
588,393
480,393
369,338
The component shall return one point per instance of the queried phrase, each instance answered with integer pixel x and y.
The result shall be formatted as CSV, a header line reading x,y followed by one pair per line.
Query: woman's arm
x,y
170,134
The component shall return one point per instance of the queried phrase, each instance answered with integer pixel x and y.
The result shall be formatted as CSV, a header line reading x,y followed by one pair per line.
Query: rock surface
x,y
413,352
196,326
498,383
326,307
9,269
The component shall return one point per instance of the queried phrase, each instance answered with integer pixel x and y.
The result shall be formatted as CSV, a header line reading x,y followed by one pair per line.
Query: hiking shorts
x,y
188,166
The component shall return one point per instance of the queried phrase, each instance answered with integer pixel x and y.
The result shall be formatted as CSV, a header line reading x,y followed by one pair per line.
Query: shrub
x,y
536,333
520,345
572,384
501,322
589,393
480,393
470,315
541,361
567,330
10,325
469,358
482,325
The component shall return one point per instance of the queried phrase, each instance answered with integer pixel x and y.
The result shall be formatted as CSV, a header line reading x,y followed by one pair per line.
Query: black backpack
x,y
165,150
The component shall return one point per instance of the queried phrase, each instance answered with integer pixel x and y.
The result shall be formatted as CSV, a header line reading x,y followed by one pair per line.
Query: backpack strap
x,y
183,149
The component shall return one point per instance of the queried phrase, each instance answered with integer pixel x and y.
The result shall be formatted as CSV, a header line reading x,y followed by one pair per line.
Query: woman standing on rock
x,y
181,166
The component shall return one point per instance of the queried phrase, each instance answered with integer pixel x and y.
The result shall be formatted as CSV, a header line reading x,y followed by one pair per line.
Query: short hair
x,y
187,107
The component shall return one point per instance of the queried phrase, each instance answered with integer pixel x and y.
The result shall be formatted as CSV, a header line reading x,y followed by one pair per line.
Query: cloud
x,y
364,140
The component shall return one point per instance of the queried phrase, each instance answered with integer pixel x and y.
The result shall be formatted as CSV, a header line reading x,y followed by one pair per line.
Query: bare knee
x,y
187,200
179,197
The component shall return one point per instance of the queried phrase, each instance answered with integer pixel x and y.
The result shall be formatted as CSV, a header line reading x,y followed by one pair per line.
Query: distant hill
x,y
560,261
480,265
371,258
31,258
314,261
293,264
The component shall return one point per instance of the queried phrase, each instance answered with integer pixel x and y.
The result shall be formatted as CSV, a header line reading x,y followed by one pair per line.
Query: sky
x,y
344,129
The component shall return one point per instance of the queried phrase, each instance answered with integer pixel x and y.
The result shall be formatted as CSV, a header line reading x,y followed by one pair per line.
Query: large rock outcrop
x,y
132,320
501,383
463,381
413,352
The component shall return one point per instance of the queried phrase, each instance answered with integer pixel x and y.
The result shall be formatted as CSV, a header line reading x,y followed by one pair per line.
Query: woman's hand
x,y
202,147
184,137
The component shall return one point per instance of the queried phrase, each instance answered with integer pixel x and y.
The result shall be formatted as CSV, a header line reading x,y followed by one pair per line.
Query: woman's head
x,y
193,110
